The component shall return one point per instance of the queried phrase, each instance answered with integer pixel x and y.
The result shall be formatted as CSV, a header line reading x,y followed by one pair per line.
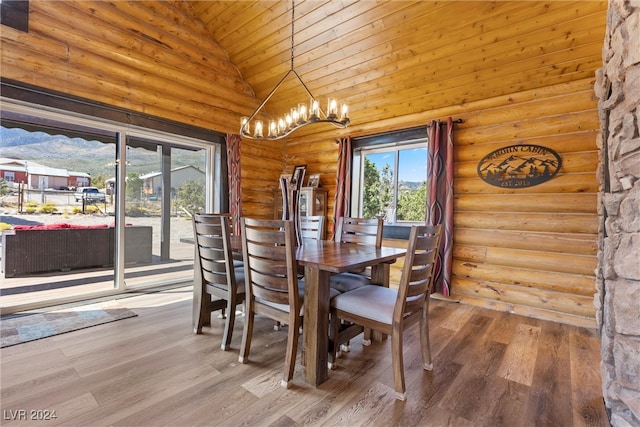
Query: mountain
x,y
93,157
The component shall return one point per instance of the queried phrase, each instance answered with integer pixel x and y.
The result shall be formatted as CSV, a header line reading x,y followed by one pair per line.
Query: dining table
x,y
321,259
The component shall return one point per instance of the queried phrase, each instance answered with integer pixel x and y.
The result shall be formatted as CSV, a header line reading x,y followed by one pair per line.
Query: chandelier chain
x,y
293,9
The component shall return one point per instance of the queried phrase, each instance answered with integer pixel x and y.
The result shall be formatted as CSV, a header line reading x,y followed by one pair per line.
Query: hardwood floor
x,y
490,369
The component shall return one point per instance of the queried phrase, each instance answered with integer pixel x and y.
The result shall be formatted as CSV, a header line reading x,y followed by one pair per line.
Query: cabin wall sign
x,y
519,166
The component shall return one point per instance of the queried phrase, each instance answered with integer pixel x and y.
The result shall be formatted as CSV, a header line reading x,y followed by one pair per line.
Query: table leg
x,y
380,274
316,325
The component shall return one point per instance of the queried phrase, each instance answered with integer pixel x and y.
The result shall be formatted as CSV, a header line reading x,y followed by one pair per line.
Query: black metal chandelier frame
x,y
292,122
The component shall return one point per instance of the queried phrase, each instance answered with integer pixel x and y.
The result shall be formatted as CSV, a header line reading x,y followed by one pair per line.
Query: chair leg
x,y
427,363
398,364
334,329
292,350
202,313
247,332
366,339
228,324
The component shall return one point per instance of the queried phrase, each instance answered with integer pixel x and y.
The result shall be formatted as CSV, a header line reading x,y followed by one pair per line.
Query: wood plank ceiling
x,y
393,58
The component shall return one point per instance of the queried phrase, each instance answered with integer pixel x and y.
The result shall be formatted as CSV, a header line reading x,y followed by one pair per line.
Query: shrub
x,y
48,208
76,210
135,210
5,226
90,209
30,210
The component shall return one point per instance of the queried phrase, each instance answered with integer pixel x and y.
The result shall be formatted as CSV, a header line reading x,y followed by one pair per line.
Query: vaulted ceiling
x,y
393,58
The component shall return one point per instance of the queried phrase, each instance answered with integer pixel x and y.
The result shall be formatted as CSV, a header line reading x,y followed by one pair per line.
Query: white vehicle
x,y
91,194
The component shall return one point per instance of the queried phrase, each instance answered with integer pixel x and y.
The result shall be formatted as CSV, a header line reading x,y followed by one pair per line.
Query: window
x,y
389,177
9,176
15,14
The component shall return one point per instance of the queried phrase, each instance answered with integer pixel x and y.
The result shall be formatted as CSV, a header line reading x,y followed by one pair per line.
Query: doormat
x,y
25,327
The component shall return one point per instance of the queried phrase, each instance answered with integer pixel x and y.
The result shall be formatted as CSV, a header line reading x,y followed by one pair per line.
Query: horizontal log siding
x,y
261,165
149,57
530,251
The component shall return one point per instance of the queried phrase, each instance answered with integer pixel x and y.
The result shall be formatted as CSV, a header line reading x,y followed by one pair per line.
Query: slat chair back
x,y
416,282
312,227
362,231
272,283
390,311
218,283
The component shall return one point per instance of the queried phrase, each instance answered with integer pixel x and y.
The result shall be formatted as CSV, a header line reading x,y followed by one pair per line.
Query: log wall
x,y
147,56
530,250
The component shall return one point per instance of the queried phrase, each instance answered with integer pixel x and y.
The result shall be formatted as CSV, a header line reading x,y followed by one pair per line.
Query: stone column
x,y
618,276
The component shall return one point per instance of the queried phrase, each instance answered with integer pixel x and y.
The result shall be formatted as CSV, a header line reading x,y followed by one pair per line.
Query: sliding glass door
x,y
58,239
108,207
165,185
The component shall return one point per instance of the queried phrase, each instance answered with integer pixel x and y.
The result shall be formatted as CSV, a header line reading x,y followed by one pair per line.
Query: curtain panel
x,y
233,165
439,208
343,182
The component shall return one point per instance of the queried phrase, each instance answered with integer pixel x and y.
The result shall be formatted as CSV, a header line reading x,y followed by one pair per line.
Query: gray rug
x,y
21,328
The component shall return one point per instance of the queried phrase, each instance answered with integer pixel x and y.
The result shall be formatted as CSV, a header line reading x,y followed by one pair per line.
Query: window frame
x,y
15,14
389,141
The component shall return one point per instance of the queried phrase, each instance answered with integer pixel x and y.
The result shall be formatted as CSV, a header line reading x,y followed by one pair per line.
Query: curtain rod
x,y
444,123
411,132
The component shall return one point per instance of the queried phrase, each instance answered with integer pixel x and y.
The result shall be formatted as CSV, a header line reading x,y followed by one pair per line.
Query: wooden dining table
x,y
320,259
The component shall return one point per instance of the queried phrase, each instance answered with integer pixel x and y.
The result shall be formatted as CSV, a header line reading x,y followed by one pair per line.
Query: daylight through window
x,y
391,182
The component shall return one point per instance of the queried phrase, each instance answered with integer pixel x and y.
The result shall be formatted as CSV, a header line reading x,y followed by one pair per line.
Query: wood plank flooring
x,y
490,369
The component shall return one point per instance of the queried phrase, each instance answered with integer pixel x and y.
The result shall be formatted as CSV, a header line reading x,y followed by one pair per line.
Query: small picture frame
x,y
297,178
286,177
314,180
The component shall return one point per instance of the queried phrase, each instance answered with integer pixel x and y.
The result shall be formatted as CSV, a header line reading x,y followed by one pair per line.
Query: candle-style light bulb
x,y
332,109
245,128
314,110
344,113
258,130
273,129
302,113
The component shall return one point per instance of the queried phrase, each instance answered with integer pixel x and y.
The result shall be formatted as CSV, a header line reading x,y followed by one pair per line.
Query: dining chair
x,y
360,231
312,227
273,288
219,280
391,311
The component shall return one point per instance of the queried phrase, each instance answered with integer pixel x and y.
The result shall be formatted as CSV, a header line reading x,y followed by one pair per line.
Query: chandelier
x,y
298,116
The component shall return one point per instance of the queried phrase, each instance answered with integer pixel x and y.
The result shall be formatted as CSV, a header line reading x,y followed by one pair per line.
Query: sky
x,y
412,167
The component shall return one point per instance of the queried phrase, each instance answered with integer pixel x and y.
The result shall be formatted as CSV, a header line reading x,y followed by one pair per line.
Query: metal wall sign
x,y
519,166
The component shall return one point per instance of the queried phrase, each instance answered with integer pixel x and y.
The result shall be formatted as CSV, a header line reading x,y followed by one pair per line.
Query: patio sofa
x,y
63,247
